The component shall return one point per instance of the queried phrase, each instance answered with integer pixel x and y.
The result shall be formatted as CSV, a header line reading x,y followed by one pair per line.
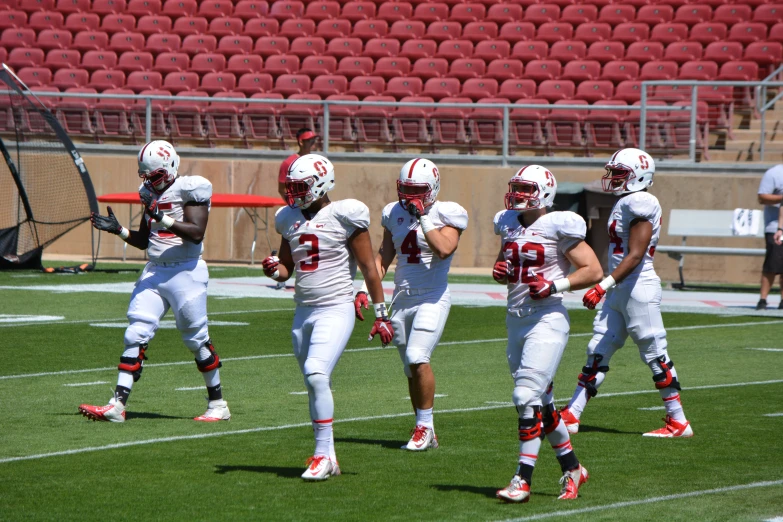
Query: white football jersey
x,y
165,246
417,266
537,250
637,205
325,266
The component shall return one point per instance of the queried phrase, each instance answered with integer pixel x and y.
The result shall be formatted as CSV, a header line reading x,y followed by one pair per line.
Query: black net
x,y
45,185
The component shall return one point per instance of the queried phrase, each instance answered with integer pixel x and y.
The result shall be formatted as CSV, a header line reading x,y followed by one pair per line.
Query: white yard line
x,y
368,349
192,388
648,500
766,349
773,414
493,406
86,383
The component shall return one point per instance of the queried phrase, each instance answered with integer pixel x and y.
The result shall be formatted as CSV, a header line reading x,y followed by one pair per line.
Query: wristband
x,y
124,233
607,283
561,285
380,310
166,222
426,224
363,288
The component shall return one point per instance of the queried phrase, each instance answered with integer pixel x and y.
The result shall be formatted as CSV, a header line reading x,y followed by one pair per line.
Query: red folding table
x,y
250,202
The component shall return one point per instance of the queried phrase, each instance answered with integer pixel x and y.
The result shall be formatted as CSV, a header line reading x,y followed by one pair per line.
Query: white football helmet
x,y
419,179
158,165
629,170
531,187
309,178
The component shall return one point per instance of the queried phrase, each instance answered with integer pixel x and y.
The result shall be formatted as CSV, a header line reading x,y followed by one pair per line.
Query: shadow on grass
x,y
388,444
280,471
146,415
488,492
586,428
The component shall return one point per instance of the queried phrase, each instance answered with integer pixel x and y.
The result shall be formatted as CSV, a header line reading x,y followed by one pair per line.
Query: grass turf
x,y
249,468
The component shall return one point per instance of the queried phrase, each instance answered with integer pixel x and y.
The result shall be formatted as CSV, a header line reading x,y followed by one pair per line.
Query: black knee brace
x,y
134,365
530,429
551,418
210,363
587,377
666,379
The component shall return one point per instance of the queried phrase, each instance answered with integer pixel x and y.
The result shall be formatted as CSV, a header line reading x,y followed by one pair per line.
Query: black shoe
x,y
762,304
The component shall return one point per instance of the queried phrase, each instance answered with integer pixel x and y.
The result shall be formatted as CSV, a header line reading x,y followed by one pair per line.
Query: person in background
x,y
306,140
770,195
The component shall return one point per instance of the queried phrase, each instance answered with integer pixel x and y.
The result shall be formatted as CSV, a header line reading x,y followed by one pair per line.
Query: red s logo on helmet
x,y
643,161
550,180
320,168
435,172
163,153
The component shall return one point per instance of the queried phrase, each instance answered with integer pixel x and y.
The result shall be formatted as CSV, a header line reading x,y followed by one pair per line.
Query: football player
x,y
633,294
176,211
323,241
423,234
538,250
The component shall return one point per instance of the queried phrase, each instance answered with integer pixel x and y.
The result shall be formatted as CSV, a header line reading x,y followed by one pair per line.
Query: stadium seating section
x,y
520,51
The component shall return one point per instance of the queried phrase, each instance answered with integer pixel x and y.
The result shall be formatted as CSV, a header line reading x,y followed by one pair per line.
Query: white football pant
x,y
418,320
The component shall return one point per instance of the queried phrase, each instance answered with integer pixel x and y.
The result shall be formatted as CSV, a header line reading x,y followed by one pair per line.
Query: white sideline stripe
x,y
494,406
192,388
653,408
650,500
776,519
369,349
298,393
773,415
766,349
86,383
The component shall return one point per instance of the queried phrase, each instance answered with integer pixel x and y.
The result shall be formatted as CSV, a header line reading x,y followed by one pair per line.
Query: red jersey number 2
x,y
533,255
309,263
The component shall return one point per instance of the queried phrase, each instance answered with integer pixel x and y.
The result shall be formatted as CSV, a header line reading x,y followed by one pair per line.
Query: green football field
x,y
161,465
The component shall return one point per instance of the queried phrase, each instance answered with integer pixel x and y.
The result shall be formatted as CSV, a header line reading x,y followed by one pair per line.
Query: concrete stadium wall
x,y
479,189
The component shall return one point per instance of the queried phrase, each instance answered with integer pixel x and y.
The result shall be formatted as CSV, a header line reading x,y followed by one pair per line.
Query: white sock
x,y
671,400
424,418
578,401
125,379
323,437
560,439
212,378
528,451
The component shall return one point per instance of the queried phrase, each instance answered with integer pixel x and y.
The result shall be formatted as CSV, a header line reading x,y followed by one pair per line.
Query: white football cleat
x,y
216,411
571,422
320,468
517,491
571,481
112,412
422,439
672,429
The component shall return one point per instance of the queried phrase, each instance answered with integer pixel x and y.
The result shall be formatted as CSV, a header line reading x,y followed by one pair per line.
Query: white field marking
x,y
298,393
773,415
649,500
309,424
192,388
437,396
766,349
652,408
369,349
86,383
776,519
37,319
168,324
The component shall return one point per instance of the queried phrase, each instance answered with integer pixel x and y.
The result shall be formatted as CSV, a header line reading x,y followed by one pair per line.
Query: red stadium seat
x,y
564,127
480,31
118,23
296,27
581,70
486,124
77,22
655,122
102,80
136,61
514,32
353,66
554,32
416,49
141,80
222,117
579,14
250,9
261,27
45,20
731,14
567,51
112,115
393,67
321,10
226,26
603,127
370,29
616,14
213,83
13,19
333,28
677,128
594,91
739,70
329,84
490,50
505,69
515,89
631,32
166,63
215,8
254,83
204,63
530,50
410,123
140,8
176,8
358,10
554,90
48,39
720,105
748,32
94,60
231,45
769,54
363,86
395,11
527,124
448,124
68,78
542,70
655,14
342,47
73,6
188,25
308,46
682,52
442,31
271,46
314,66
643,52
722,52
659,70
282,64
152,24
467,68
620,70
372,123
604,52
769,14
592,32
542,13
702,70
127,42
426,68
260,119
693,14
163,43
455,49
439,88
37,5
285,9
407,30
776,33
708,32
669,33
672,93
469,12
12,38
381,47
629,91
186,117
25,57
108,7
90,41
431,12
403,86
504,13
62,59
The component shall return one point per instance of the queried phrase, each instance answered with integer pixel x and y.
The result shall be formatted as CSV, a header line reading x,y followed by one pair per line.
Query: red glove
x,y
501,272
360,301
540,288
270,266
593,297
415,208
383,328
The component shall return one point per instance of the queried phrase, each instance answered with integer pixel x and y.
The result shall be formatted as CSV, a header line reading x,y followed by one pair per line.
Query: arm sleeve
x,y
453,215
496,221
767,185
386,215
197,189
571,230
353,215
